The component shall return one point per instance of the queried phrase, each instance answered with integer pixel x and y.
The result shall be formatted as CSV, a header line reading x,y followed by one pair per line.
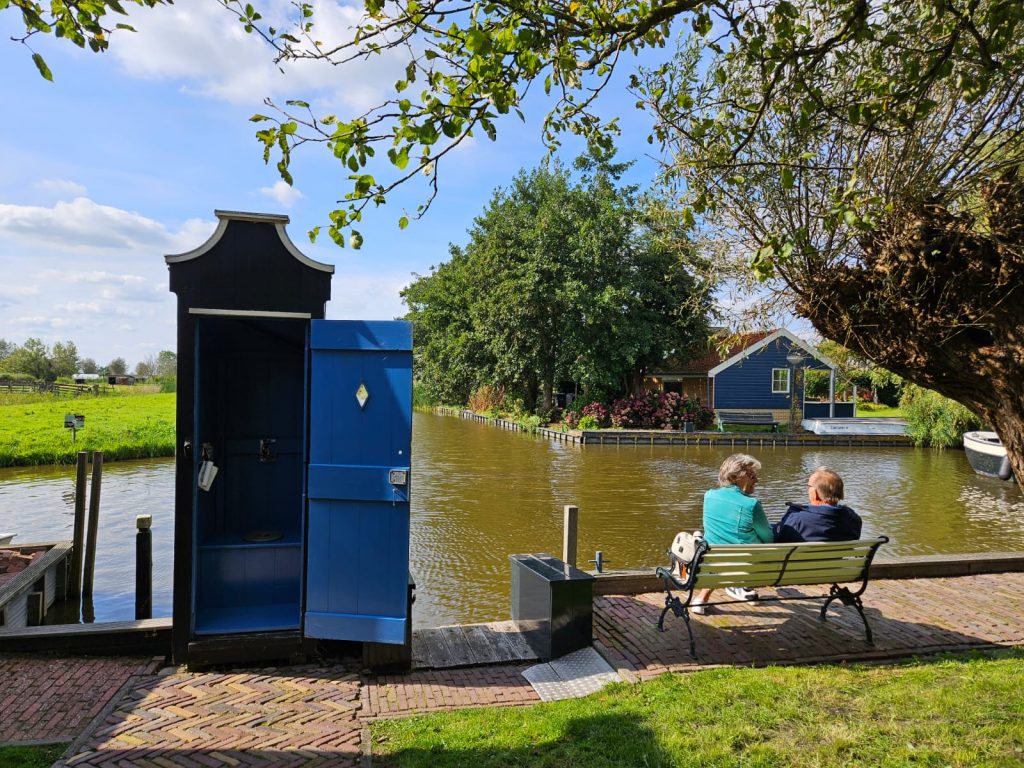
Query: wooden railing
x,y
9,385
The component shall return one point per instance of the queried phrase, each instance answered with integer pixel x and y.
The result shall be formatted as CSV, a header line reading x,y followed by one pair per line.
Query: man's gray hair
x,y
734,467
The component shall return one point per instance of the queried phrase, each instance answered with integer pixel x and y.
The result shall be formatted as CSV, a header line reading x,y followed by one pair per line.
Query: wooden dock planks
x,y
469,645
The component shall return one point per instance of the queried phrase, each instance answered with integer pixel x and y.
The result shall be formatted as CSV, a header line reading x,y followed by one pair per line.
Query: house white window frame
x,y
788,374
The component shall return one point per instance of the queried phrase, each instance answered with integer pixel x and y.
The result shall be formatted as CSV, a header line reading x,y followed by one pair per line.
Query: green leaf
x,y
403,222
787,178
41,66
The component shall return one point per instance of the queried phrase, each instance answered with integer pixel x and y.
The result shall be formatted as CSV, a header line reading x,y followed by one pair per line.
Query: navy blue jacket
x,y
817,522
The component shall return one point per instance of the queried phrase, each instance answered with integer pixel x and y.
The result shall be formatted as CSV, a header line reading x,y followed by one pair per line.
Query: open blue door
x,y
360,427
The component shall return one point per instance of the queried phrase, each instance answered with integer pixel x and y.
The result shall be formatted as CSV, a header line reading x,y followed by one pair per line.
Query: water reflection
x,y
480,494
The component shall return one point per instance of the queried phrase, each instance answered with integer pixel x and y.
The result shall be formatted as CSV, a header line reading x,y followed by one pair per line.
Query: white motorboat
x,y
987,455
6,538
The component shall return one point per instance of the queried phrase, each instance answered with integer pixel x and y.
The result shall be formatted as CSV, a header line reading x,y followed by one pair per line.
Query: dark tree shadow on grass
x,y
600,741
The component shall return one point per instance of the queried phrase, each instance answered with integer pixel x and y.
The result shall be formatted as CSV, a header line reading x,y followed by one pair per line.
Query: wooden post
x,y
144,567
94,523
572,514
78,543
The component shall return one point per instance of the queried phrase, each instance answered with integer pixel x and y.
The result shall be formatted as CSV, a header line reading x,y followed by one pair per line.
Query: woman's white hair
x,y
734,467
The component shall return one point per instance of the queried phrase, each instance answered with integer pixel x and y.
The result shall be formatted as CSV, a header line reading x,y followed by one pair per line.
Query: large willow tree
x,y
888,206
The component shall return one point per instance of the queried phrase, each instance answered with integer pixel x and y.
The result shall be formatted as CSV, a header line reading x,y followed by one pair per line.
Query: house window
x,y
780,381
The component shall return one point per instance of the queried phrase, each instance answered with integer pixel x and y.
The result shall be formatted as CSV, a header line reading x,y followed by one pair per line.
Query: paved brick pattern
x,y
431,690
300,716
916,616
50,700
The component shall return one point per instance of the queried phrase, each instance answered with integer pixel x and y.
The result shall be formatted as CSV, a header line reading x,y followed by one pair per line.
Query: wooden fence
x,y
72,390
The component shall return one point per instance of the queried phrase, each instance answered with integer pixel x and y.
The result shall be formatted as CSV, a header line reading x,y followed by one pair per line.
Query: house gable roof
x,y
766,339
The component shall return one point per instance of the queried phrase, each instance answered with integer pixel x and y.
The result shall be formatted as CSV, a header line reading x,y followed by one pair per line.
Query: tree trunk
x,y
548,401
938,299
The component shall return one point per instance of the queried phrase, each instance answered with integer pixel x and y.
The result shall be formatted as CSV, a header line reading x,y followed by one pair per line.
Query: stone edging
x,y
667,437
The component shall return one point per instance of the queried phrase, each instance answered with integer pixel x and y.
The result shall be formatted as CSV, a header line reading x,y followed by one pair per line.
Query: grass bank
x,y
966,710
122,426
31,757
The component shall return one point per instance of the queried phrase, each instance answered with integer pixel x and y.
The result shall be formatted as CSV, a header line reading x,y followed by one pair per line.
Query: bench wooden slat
x,y
762,571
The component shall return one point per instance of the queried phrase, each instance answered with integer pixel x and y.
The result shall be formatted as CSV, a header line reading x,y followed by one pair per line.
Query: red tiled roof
x,y
700,365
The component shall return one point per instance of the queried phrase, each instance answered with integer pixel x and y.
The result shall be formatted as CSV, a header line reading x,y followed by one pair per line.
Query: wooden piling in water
x,y
569,531
94,523
78,536
144,567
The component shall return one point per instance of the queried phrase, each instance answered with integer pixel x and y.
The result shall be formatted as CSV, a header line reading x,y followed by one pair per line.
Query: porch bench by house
x,y
809,563
758,418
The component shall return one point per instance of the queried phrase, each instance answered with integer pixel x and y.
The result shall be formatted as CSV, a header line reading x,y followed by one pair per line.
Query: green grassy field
x,y
122,426
960,711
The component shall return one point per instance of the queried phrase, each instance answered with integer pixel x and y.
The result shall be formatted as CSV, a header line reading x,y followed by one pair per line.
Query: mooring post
x,y
569,528
78,540
94,523
144,567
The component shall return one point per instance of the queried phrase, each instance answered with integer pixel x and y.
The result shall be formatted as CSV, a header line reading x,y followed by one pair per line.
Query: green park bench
x,y
756,418
809,563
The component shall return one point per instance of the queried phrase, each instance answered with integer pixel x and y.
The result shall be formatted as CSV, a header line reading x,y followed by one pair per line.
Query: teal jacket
x,y
732,517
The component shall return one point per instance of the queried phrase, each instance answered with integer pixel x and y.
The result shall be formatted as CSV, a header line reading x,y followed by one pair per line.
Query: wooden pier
x,y
26,595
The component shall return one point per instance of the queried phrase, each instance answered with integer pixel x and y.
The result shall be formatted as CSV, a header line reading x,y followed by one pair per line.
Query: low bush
x,y
660,410
487,399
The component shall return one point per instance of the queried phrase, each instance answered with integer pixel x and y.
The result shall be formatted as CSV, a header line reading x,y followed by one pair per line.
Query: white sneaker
x,y
741,593
697,606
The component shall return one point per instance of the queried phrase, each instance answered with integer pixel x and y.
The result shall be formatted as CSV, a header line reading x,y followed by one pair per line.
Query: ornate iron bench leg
x,y
846,597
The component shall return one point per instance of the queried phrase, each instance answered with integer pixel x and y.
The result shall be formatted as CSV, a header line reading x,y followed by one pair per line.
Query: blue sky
x,y
124,157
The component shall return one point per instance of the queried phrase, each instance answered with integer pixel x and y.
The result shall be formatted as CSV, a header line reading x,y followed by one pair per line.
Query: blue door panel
x,y
375,335
358,535
332,481
374,629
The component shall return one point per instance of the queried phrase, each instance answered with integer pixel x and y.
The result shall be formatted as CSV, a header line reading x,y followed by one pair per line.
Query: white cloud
x,y
283,192
83,224
60,187
367,296
205,46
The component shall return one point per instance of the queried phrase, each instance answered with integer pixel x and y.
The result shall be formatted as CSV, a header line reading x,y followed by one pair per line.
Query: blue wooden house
x,y
755,374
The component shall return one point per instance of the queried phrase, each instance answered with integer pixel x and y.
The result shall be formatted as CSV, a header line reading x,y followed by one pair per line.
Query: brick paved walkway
x,y
917,616
52,700
315,716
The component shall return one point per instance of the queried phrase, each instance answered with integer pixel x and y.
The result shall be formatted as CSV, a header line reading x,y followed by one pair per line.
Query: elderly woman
x,y
733,516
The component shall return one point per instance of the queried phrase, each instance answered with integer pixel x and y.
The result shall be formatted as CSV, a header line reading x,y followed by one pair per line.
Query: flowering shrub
x,y
600,413
660,410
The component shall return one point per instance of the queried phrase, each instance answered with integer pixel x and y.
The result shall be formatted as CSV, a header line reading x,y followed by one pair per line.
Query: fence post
x,y
78,542
569,534
144,567
94,523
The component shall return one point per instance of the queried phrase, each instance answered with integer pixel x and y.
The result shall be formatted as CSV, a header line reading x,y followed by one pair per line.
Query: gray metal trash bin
x,y
552,603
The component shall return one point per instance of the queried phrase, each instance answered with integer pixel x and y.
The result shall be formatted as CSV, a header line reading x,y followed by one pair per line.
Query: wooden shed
x,y
292,457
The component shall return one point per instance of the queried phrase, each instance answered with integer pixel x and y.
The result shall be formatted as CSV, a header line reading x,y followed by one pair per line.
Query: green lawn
x,y
31,757
122,426
959,711
870,409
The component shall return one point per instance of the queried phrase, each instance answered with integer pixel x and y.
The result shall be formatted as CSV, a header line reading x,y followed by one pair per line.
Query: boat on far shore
x,y
987,455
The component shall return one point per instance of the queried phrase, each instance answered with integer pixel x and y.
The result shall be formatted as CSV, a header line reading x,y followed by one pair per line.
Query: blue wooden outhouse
x,y
292,457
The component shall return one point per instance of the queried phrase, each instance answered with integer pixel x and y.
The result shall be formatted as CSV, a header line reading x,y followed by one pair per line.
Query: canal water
x,y
481,493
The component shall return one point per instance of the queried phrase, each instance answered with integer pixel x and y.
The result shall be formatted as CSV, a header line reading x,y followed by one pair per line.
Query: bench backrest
x,y
779,565
737,418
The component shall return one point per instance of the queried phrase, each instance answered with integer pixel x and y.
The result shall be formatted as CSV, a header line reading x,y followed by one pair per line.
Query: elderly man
x,y
825,518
